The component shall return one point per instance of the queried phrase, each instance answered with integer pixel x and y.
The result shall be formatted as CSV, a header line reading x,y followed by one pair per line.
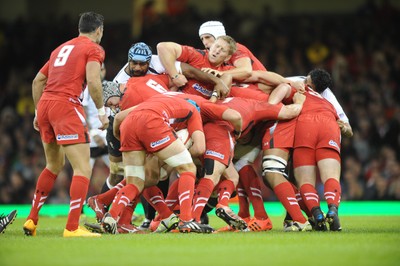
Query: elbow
x,y
247,73
237,121
162,47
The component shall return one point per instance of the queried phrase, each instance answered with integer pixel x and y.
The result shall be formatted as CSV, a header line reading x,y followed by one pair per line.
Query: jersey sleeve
x,y
192,56
195,122
156,67
45,69
212,112
96,54
328,94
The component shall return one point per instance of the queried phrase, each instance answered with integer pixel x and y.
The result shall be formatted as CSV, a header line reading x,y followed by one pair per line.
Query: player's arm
x,y
168,52
118,120
235,119
343,122
281,92
195,128
273,79
199,144
240,72
345,128
38,85
292,110
93,74
221,88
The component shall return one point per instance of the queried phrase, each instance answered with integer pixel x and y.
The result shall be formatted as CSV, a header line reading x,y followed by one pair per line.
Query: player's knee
x,y
189,167
116,168
115,179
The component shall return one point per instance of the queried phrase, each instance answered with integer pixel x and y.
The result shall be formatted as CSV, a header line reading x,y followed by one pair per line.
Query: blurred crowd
x,y
360,49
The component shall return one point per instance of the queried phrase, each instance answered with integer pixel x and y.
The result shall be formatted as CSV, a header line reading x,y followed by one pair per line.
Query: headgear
x,y
110,89
140,52
215,28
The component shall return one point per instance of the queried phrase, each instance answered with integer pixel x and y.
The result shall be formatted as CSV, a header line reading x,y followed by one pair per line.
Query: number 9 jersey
x,y
66,69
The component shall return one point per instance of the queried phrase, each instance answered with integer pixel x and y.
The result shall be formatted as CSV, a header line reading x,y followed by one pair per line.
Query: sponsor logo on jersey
x,y
202,90
67,137
334,144
159,142
215,154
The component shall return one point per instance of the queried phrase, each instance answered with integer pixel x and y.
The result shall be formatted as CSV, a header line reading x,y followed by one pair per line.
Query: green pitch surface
x,y
366,239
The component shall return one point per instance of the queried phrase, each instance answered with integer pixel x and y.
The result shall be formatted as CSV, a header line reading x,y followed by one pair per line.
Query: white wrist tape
x,y
101,111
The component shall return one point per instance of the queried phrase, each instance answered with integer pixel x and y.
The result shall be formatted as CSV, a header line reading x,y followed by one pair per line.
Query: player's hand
x,y
35,124
345,128
179,80
104,121
99,141
298,85
299,98
211,71
222,89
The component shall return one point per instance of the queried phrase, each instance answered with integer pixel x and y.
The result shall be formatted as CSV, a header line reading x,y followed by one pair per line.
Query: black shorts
x,y
98,152
113,143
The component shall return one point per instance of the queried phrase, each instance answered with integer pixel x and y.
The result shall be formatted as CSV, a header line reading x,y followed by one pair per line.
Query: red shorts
x,y
319,134
219,143
280,135
63,122
303,156
145,131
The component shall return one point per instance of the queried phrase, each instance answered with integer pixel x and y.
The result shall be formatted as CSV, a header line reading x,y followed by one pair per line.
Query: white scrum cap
x,y
215,28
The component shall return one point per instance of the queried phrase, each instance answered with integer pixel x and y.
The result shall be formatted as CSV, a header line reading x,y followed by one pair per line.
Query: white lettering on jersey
x,y
63,55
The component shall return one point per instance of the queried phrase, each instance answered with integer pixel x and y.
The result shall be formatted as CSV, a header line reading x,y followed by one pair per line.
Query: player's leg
x,y
306,175
329,169
79,157
55,160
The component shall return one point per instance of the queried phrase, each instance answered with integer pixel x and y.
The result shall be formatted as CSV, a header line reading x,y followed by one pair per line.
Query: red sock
x,y
44,185
122,199
225,189
155,197
310,196
300,201
244,206
332,191
186,191
78,191
108,196
172,197
201,195
286,196
126,216
256,199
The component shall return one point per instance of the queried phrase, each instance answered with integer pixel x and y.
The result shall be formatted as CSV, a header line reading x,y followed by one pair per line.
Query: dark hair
x,y
321,79
90,21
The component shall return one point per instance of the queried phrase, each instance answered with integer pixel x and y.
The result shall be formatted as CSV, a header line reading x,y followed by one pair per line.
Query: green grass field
x,y
366,239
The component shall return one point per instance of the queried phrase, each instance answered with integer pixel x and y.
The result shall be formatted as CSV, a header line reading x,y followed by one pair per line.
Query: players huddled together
x,y
233,110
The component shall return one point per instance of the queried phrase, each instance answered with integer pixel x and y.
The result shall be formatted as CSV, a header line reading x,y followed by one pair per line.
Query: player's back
x,y
66,68
316,104
139,89
167,106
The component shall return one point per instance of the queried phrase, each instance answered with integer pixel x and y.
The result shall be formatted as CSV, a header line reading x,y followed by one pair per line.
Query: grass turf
x,y
365,240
